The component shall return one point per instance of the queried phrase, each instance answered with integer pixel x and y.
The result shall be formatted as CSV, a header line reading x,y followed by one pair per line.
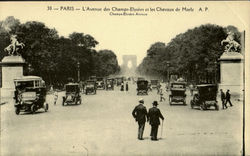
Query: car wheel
x,y
33,110
17,111
201,107
192,104
216,107
46,107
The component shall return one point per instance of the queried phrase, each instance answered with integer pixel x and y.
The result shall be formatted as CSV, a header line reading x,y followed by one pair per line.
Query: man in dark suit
x,y
228,98
140,114
154,116
223,97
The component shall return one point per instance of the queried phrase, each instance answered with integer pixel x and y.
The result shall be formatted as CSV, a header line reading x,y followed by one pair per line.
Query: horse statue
x,y
14,47
231,44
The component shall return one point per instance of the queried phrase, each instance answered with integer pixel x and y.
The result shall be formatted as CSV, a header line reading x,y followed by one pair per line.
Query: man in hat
x,y
140,114
228,98
154,115
223,97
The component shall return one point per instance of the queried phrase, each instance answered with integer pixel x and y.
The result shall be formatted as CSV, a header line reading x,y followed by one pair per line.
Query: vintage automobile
x,y
119,81
72,95
177,93
142,87
30,94
90,87
109,84
100,83
206,97
154,84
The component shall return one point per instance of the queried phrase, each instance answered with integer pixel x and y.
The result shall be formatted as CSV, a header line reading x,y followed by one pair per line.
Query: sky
x,y
128,35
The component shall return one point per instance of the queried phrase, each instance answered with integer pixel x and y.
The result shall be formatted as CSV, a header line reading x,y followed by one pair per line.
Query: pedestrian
x,y
122,86
228,98
126,86
191,87
154,115
140,115
161,95
55,97
223,98
158,88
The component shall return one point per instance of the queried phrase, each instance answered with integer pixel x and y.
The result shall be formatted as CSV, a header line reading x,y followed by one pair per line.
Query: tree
x,y
55,58
189,53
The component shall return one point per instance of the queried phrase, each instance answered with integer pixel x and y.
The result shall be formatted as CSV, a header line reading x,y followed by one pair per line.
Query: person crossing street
x,y
140,115
223,97
161,95
228,98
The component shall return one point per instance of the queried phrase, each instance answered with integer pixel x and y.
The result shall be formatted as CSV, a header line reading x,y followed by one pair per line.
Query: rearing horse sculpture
x,y
14,47
232,45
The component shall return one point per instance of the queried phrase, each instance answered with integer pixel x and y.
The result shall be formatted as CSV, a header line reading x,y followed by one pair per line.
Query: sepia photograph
x,y
127,78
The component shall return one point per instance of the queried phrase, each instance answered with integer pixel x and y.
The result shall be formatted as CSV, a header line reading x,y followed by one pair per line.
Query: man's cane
x,y
162,127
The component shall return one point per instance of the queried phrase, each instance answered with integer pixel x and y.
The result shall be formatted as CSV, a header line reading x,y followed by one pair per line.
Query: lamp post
x,y
168,65
196,74
78,71
215,72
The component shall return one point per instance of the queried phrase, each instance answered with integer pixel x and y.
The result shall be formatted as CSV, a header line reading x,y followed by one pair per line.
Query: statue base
x,y
231,73
12,68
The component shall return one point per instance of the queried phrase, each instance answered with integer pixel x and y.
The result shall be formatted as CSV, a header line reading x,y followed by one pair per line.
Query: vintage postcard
x,y
162,78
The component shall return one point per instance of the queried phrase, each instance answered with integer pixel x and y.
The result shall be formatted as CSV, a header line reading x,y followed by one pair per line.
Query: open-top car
x,y
206,97
100,83
72,95
109,84
154,84
30,94
177,93
142,87
90,87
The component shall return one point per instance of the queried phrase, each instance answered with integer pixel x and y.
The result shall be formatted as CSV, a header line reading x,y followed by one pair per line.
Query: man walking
x,y
228,98
161,95
55,97
153,117
140,114
223,97
126,86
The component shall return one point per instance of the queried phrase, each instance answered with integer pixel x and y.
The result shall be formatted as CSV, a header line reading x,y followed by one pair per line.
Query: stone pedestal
x,y
12,68
231,72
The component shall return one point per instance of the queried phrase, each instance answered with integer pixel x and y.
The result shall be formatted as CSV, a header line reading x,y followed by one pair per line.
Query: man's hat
x,y
141,100
155,103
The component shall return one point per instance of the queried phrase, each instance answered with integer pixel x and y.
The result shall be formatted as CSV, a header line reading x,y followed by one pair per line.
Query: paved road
x,y
103,125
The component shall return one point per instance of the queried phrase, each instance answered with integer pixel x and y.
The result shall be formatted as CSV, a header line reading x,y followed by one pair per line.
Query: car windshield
x,y
71,88
25,84
99,79
178,93
89,83
178,86
154,82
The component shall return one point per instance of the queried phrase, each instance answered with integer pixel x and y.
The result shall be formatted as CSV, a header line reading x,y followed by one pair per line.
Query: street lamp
x,y
196,74
215,72
78,71
168,65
